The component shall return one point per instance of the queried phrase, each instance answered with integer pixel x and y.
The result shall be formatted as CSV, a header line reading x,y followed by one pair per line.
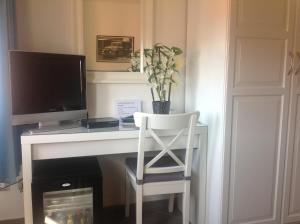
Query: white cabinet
x,y
291,209
258,91
264,90
245,82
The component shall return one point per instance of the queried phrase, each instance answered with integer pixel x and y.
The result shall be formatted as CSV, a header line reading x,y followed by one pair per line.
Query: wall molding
x,y
102,77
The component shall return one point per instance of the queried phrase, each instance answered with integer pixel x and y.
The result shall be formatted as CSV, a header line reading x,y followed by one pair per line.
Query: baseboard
x,y
12,221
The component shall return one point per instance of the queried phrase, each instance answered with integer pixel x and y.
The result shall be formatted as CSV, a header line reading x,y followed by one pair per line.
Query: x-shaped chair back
x,y
148,124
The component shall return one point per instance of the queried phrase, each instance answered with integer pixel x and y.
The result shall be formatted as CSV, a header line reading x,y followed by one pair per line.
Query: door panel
x,y
264,13
260,62
254,159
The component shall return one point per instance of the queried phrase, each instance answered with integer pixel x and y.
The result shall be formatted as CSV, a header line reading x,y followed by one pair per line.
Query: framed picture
x,y
114,48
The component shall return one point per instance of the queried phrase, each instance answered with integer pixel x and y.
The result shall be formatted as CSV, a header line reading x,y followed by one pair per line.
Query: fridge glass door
x,y
73,206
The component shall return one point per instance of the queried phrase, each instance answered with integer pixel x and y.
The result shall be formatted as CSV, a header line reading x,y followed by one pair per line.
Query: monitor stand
x,y
55,126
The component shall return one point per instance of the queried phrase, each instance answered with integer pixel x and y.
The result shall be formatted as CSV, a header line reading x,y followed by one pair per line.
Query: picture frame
x,y
114,49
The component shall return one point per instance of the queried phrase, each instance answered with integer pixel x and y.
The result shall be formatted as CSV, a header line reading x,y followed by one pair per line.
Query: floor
x,y
153,213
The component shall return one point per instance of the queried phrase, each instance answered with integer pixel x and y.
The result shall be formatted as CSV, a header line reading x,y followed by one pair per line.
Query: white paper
x,y
127,108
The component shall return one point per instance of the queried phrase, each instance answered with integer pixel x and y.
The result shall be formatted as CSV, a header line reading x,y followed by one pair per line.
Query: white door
x,y
291,210
257,112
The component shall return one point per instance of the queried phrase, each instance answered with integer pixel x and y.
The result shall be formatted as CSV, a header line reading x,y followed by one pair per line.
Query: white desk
x,y
83,142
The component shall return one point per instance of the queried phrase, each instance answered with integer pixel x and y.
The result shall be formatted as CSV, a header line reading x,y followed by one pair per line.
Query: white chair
x,y
161,174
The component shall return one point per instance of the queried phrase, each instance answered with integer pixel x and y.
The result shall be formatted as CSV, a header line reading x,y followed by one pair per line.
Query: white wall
x,y
57,26
50,25
110,18
206,78
101,96
170,21
37,32
11,204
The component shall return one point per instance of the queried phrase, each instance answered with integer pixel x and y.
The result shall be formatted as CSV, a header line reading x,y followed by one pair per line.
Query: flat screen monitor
x,y
47,87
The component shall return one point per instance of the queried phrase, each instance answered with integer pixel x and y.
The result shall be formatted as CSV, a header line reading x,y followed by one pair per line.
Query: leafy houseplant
x,y
159,66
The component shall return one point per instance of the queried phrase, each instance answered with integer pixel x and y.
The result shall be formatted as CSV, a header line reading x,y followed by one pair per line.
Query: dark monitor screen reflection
x,y
46,83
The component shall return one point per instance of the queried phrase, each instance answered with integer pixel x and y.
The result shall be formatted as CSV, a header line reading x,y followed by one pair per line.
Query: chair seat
x,y
131,164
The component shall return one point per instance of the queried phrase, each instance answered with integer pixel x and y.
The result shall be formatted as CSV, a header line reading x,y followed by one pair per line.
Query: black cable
x,y
7,186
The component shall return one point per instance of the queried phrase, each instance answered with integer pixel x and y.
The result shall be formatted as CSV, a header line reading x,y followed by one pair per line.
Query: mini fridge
x,y
67,191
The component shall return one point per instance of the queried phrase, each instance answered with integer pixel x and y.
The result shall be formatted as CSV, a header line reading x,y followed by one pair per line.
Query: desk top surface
x,y
80,130
84,134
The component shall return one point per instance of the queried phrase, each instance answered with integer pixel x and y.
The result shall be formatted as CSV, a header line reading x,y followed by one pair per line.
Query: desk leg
x,y
27,177
198,184
203,180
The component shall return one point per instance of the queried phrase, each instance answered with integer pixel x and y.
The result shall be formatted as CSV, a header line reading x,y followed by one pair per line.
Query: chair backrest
x,y
148,123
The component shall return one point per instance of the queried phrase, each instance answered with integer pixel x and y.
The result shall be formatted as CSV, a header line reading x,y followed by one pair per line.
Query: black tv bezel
x,y
83,106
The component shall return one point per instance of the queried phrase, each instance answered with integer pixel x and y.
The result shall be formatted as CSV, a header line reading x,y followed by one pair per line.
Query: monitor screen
x,y
44,82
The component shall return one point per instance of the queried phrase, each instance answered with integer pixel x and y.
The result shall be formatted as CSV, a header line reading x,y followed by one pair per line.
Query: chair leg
x,y
171,202
139,204
186,203
127,196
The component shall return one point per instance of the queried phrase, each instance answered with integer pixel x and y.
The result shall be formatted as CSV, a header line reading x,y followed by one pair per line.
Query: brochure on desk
x,y
126,109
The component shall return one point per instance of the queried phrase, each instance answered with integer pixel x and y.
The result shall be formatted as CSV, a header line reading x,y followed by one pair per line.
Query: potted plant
x,y
160,67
